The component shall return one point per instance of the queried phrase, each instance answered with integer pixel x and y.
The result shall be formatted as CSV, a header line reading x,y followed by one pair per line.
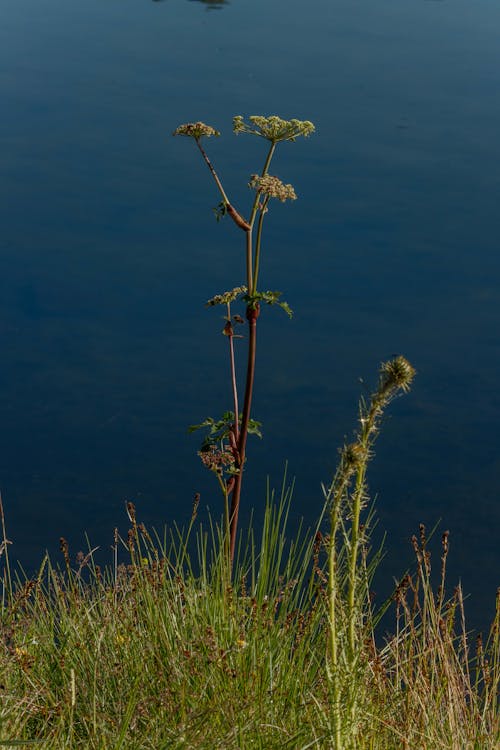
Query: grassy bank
x,y
281,648
162,653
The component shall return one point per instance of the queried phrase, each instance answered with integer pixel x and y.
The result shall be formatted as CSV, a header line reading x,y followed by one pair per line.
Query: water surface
x,y
109,250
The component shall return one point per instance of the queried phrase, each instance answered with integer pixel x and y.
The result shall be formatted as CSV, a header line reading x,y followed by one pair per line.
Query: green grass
x,y
169,648
163,653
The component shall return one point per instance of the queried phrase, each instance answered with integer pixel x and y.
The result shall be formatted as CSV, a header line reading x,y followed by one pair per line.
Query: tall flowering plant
x,y
223,449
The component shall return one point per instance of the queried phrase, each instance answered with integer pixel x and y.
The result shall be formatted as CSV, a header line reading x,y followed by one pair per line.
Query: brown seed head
x,y
272,187
196,130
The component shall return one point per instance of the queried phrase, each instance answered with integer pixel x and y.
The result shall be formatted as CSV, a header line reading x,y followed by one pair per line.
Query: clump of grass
x,y
445,690
171,649
164,651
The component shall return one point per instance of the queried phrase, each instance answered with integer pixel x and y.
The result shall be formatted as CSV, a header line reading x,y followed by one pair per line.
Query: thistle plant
x,y
348,572
224,448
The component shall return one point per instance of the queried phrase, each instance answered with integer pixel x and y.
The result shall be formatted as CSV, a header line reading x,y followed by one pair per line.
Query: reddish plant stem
x,y
252,315
233,382
232,212
248,255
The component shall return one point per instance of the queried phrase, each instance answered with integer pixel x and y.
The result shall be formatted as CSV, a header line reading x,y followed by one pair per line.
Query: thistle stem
x,y
353,559
332,635
368,426
335,501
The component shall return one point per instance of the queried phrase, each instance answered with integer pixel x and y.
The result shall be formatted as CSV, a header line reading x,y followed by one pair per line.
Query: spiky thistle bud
x,y
352,457
396,374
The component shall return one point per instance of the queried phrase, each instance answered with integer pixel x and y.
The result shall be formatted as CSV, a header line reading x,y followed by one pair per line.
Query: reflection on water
x,y
211,4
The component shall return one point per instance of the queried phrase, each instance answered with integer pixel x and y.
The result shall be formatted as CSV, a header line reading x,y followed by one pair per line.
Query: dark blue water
x,y
109,250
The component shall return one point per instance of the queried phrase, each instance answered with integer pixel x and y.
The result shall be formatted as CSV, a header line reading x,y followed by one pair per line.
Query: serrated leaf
x,y
286,307
220,211
254,428
270,298
206,423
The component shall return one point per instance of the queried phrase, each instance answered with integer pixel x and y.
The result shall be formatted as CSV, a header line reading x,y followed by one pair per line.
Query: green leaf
x,y
254,428
270,298
219,430
220,211
206,423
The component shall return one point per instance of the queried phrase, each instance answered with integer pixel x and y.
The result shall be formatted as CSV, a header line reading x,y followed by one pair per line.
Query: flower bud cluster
x,y
196,130
272,187
273,128
227,297
215,459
